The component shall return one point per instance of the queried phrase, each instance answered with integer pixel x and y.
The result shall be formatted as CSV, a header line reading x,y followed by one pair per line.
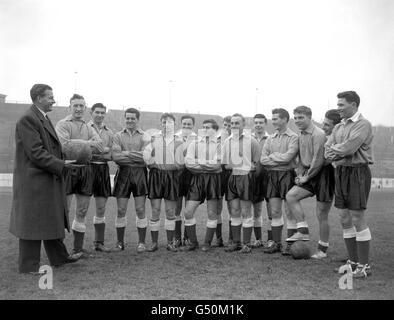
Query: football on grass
x,y
300,250
79,151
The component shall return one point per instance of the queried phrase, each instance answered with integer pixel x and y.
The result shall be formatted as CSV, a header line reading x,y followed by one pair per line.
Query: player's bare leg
x,y
190,225
230,233
178,222
99,224
212,210
293,199
141,222
154,224
170,207
363,239
276,225
79,223
247,225
257,224
236,225
121,223
322,210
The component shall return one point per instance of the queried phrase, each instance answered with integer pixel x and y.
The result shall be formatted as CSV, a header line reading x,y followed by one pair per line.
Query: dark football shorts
x,y
352,187
101,180
79,180
322,185
131,180
205,186
225,175
241,186
164,184
279,183
260,189
185,180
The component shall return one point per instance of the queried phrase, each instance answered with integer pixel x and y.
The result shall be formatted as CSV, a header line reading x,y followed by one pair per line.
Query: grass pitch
x,y
198,275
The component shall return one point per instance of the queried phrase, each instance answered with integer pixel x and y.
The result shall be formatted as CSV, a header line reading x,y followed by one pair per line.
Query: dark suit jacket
x,y
39,199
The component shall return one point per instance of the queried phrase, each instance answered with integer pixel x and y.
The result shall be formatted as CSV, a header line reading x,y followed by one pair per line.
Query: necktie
x,y
207,149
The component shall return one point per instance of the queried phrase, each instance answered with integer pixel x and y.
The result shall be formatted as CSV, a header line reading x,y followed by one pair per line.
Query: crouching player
x,y
164,157
131,177
203,160
78,177
241,153
100,171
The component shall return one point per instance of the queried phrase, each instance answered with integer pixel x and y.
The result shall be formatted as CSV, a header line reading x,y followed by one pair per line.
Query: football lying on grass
x,y
300,250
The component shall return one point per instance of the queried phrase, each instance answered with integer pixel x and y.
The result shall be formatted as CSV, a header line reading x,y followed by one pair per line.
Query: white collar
x,y
354,118
43,113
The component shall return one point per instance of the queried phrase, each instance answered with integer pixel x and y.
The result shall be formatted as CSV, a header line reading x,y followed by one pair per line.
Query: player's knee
x,y
140,211
358,222
121,212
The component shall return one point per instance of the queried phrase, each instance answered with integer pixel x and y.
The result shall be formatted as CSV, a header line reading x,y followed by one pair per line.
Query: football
x,y
300,250
79,151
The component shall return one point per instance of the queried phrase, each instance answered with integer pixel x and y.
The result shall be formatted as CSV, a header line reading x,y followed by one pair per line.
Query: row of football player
x,y
269,172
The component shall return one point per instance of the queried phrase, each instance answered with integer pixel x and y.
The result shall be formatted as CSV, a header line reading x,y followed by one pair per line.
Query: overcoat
x,y
39,199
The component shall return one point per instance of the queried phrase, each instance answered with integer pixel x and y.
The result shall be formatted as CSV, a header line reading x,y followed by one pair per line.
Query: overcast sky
x,y
211,56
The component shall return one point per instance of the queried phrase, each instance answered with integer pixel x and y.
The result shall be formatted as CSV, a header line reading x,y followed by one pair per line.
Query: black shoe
x,y
190,247
233,247
276,247
286,250
119,247
178,243
218,243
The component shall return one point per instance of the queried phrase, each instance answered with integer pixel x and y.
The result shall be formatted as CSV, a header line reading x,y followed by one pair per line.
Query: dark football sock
x,y
99,229
257,233
155,236
178,229
363,251
209,235
120,234
141,235
247,234
277,234
78,240
351,246
191,234
170,235
219,231
236,233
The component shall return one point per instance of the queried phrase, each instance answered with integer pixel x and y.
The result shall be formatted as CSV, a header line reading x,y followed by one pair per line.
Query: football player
x,y
203,161
224,133
241,153
261,135
164,157
349,147
100,171
131,177
78,177
188,136
279,158
313,178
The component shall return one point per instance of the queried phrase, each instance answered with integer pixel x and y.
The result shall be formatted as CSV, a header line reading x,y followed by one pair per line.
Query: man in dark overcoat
x,y
39,201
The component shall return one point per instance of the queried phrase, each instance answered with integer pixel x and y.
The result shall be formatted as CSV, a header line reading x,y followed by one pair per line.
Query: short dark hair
x,y
260,116
349,96
76,96
303,110
282,113
227,119
98,105
213,122
167,115
333,115
38,90
188,116
238,115
132,110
